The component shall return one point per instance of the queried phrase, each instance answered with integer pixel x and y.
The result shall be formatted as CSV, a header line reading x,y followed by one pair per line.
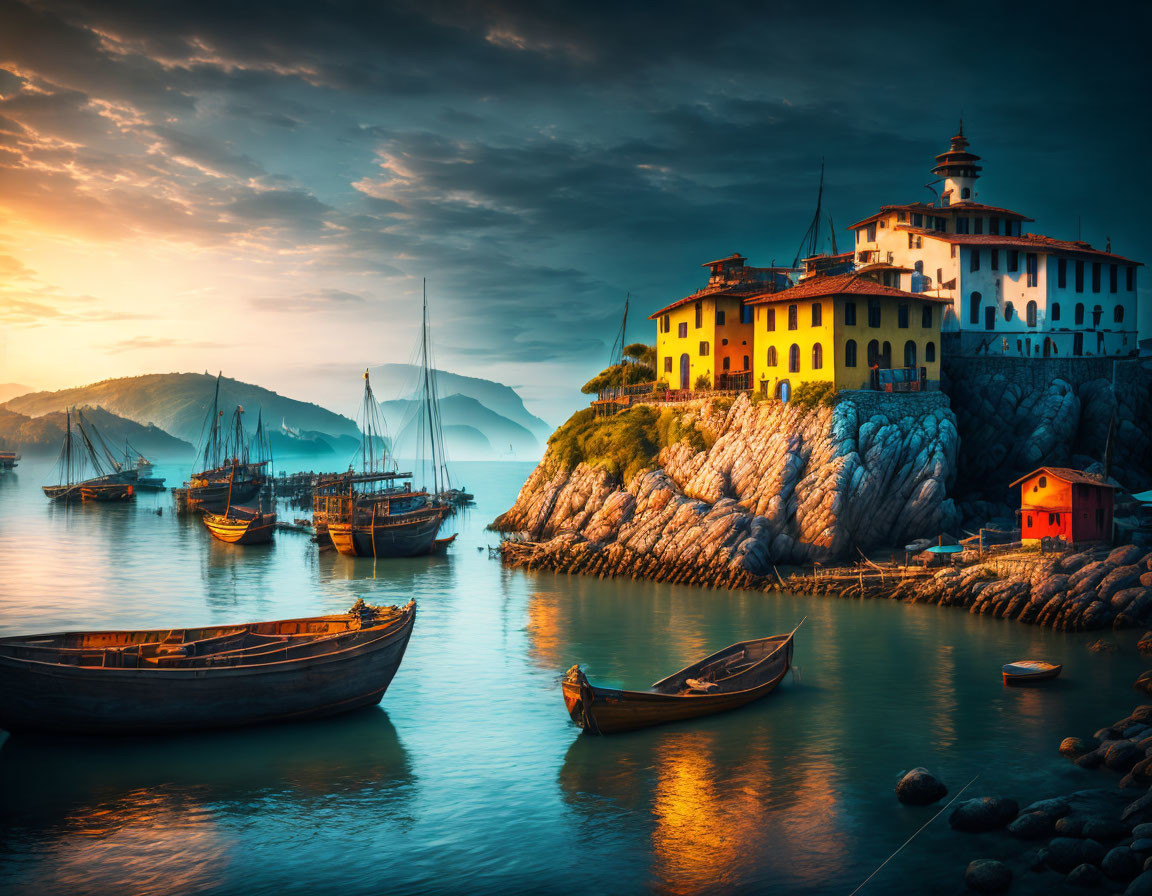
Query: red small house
x,y
1056,502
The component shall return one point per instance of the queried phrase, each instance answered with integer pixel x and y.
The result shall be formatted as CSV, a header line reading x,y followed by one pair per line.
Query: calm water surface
x,y
469,776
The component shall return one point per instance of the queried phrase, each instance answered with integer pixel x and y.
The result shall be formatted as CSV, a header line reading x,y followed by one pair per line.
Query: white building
x,y
1013,293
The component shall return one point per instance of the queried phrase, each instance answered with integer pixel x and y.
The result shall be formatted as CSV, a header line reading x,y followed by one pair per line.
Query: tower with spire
x,y
959,170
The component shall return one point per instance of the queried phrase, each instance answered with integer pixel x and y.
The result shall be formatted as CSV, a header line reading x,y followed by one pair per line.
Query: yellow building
x,y
709,333
835,328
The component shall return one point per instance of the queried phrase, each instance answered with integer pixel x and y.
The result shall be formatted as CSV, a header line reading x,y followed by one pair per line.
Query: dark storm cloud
x,y
537,160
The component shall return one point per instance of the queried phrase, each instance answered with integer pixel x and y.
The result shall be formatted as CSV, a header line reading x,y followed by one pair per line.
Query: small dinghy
x,y
149,682
241,525
1030,670
732,677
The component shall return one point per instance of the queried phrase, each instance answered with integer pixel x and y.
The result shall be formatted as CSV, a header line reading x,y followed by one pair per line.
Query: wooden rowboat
x,y
145,682
241,525
1025,671
732,677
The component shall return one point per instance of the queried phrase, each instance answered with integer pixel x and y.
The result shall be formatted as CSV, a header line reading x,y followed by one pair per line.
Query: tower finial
x,y
961,122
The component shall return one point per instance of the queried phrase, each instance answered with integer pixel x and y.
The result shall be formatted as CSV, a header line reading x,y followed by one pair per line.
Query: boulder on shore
x,y
1075,747
983,814
920,787
987,876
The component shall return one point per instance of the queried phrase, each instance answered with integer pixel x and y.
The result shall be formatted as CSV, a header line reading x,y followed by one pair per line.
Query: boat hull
x,y
407,537
61,699
257,530
85,492
1028,677
608,711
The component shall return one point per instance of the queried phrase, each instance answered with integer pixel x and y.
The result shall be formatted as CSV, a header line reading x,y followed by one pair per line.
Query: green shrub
x,y
703,383
619,375
808,395
625,444
641,353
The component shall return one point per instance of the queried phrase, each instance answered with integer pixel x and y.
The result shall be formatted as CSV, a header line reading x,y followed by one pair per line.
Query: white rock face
x,y
780,484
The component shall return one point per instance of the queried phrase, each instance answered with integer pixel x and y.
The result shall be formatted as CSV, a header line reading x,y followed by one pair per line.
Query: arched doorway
x,y
886,356
1047,347
783,391
909,353
873,353
685,367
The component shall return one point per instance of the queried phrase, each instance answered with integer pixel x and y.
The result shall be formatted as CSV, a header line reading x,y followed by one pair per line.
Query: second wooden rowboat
x,y
1026,671
241,525
148,682
729,678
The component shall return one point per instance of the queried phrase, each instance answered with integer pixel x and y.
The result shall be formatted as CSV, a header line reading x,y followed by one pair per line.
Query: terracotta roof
x,y
727,292
735,256
840,284
1067,474
925,208
1036,241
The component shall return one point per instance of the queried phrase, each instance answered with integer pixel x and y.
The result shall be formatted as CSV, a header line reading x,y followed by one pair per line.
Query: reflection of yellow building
x,y
709,333
833,329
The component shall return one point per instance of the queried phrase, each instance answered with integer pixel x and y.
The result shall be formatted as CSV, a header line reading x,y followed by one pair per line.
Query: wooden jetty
x,y
146,682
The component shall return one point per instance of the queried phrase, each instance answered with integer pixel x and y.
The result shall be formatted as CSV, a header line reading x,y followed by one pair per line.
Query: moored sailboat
x,y
110,483
370,514
8,460
241,525
228,472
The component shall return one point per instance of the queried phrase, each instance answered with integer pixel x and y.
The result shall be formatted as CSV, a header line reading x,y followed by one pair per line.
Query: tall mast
x,y
428,396
811,240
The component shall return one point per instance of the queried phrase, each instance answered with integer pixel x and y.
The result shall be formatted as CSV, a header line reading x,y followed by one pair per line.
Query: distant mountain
x,y
179,402
290,444
401,381
472,430
11,390
45,434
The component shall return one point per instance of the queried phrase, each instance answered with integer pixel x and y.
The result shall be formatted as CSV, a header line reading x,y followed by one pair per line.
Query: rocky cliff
x,y
1015,414
761,484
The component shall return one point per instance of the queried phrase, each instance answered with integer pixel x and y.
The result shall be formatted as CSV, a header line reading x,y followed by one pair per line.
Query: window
x,y
919,268
994,226
817,313
746,367
682,330
961,225
1062,272
668,364
966,193
723,341
1113,271
909,353
727,365
772,359
1079,276
1032,266
974,258
941,224
870,236
1009,311
917,219
994,259
1030,314
770,319
977,223
930,353
703,349
1095,276
794,359
817,356
873,352
1078,318
939,276
791,317
699,315
745,314
902,317
873,313
1097,313
926,317
1054,315
719,318
901,217
1077,344
1118,314
1130,278
850,353
849,314
953,250
1013,261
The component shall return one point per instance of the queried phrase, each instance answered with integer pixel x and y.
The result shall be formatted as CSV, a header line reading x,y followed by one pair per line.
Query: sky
x,y
262,188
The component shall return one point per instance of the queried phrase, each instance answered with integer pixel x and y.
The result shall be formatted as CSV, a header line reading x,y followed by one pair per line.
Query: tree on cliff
x,y
639,366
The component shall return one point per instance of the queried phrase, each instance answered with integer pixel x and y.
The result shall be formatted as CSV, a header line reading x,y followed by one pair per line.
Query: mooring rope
x,y
910,839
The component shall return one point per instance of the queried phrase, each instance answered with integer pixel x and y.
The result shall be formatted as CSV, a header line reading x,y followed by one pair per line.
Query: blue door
x,y
684,384
785,391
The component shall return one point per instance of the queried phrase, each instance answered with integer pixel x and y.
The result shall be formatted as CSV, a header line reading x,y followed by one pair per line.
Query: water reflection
x,y
162,812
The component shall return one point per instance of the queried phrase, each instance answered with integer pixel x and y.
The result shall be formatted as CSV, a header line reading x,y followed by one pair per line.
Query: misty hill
x,y
11,390
459,414
178,403
399,381
45,433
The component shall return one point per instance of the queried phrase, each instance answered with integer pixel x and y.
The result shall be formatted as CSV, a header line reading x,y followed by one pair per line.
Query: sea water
x,y
469,777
